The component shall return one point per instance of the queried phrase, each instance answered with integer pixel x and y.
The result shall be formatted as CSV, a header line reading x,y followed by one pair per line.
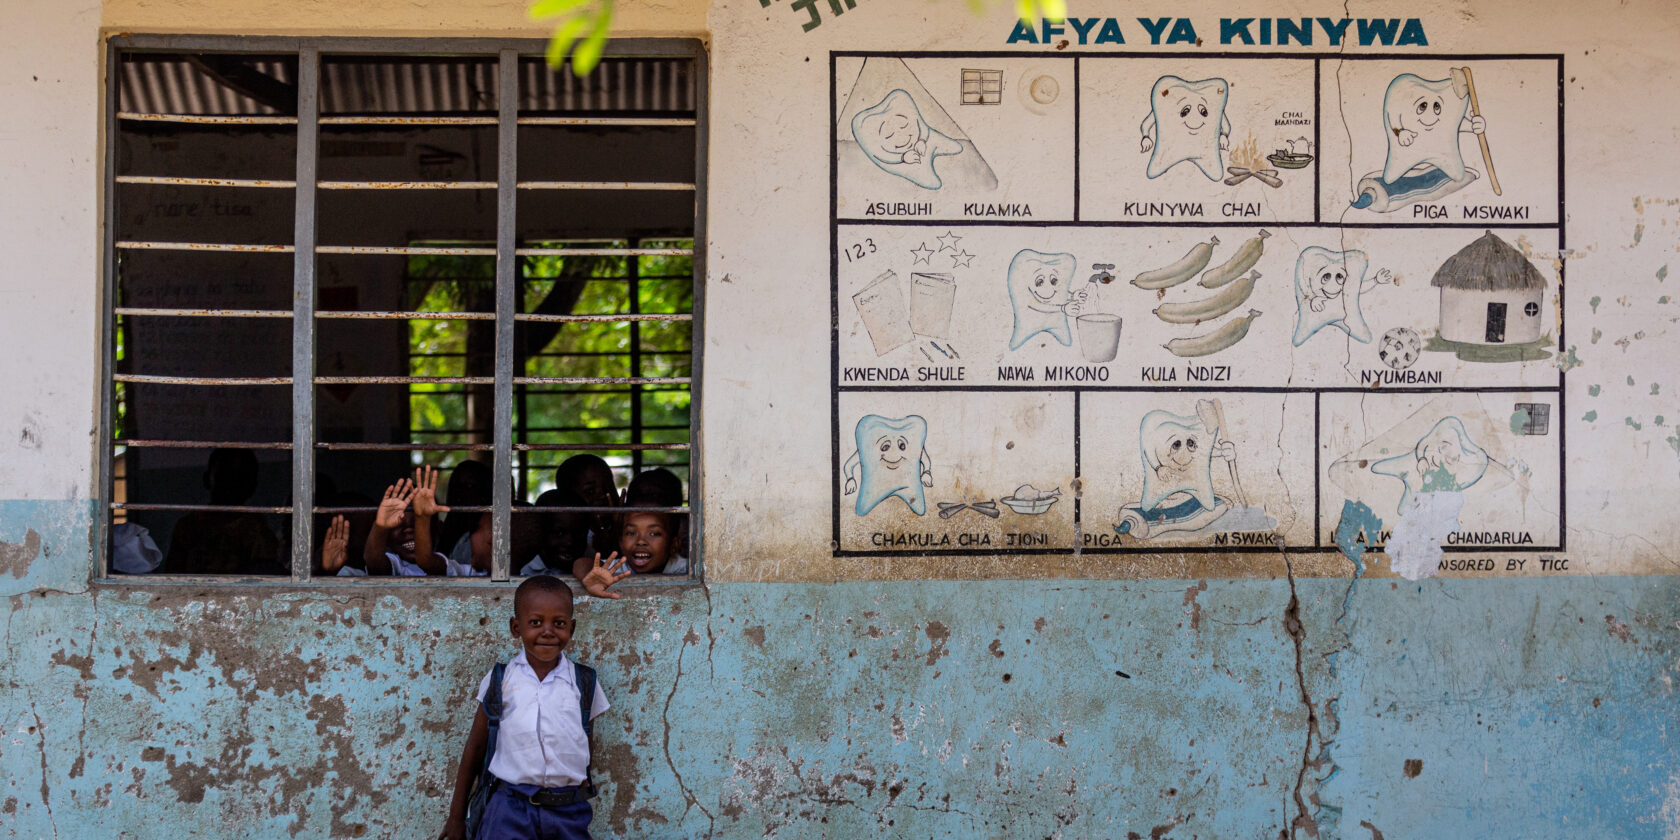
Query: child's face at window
x,y
562,536
402,537
543,623
481,542
596,487
645,542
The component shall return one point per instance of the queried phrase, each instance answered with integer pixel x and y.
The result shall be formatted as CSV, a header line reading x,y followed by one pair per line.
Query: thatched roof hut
x,y
1490,294
1487,265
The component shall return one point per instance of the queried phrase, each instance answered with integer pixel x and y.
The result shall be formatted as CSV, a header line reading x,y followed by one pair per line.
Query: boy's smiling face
x,y
543,622
645,542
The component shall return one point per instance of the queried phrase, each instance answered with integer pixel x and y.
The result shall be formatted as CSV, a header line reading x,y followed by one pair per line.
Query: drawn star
x,y
922,253
949,241
961,260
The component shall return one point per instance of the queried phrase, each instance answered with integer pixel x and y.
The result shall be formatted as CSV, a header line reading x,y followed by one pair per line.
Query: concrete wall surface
x,y
1449,708
1298,692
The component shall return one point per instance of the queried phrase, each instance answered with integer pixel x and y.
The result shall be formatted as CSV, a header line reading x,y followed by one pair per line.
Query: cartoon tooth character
x,y
1328,289
1039,290
1444,459
1422,119
1187,122
1177,454
892,452
895,138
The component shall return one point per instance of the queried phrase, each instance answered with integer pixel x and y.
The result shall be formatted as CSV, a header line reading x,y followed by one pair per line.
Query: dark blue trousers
x,y
508,817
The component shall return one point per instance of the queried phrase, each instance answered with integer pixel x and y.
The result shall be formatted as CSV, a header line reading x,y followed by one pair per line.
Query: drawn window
x,y
982,87
1532,418
497,267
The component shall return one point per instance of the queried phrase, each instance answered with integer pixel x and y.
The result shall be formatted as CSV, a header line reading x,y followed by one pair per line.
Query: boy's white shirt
x,y
540,740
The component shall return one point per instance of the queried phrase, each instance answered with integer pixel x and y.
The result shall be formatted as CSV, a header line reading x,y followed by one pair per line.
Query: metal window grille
x,y
297,91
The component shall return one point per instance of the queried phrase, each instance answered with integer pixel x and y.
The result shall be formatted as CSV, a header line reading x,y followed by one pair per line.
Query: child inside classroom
x,y
644,548
400,542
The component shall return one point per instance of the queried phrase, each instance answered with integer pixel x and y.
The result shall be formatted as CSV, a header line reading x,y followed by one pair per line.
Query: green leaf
x,y
588,54
564,35
549,8
1024,10
1055,11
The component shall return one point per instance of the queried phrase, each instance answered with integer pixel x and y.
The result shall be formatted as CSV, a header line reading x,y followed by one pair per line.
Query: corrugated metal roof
x,y
152,84
177,84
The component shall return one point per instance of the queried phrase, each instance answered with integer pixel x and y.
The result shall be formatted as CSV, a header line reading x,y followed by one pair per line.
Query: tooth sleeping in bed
x,y
1422,119
1444,459
895,137
892,454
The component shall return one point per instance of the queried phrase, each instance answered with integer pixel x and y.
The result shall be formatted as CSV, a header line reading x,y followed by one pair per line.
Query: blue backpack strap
x,y
585,677
493,713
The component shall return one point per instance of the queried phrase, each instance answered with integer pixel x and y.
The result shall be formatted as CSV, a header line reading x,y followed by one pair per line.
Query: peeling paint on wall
x,y
1414,549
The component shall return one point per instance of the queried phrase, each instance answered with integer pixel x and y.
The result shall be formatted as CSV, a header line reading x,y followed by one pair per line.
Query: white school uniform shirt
x,y
540,740
403,568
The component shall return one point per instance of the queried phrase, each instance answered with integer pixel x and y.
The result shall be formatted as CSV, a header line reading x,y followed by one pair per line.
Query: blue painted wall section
x,y
1507,708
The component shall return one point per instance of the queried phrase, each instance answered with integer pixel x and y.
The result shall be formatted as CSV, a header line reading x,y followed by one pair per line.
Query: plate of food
x,y
1289,160
1030,500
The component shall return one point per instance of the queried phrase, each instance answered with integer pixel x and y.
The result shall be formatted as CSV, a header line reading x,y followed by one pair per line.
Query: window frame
x,y
507,54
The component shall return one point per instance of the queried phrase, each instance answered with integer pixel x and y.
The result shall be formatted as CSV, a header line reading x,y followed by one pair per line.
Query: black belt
x,y
557,797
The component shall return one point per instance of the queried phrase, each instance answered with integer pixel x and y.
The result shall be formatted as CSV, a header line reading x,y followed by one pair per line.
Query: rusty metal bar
x,y
407,316
252,183
208,119
405,447
394,120
620,509
200,444
559,447
404,380
145,379
603,319
667,186
634,294
405,250
603,252
637,121
406,185
136,245
107,429
203,313
303,307
222,508
697,267
600,380
507,305
367,508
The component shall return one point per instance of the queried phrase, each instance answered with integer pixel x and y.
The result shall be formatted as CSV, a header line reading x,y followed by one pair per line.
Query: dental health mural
x,y
1115,356
1423,120
1187,124
893,460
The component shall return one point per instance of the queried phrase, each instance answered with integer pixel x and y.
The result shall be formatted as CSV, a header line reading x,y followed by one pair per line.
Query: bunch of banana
x,y
1184,269
1244,259
1213,342
1209,308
